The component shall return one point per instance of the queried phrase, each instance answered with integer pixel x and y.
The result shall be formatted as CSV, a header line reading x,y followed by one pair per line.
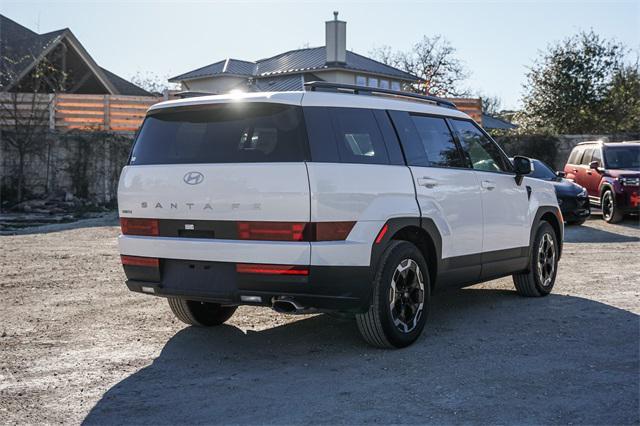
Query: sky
x,y
496,40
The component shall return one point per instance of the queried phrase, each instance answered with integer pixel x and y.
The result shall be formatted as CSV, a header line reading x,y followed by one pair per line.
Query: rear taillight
x,y
148,227
261,269
152,262
294,231
272,231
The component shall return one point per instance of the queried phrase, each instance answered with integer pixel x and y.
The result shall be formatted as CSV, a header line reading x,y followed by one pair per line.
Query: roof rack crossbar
x,y
315,86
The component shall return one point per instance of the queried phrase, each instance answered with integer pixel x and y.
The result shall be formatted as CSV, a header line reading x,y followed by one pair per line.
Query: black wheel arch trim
x,y
557,226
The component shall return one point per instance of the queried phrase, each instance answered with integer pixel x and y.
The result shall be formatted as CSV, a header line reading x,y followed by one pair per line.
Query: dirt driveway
x,y
76,346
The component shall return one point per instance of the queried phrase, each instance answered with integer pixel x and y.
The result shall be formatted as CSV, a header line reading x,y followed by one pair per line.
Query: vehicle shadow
x,y
487,356
587,234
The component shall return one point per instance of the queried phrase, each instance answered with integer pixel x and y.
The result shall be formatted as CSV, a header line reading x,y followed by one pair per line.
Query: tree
x,y
580,85
24,117
491,105
154,83
433,61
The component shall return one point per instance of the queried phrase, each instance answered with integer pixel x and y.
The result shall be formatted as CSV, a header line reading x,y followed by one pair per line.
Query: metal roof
x,y
490,122
294,62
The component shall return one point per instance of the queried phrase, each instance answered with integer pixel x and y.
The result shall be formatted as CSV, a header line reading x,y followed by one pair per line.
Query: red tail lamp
x,y
148,227
272,231
261,269
152,262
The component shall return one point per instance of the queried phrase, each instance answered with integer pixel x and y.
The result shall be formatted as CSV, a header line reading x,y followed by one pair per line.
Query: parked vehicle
x,y
572,198
326,201
611,173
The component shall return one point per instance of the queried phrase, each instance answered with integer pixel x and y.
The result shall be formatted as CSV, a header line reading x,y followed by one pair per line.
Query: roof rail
x,y
319,86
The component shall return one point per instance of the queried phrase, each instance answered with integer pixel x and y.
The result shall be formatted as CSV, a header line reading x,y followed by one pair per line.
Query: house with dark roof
x,y
23,50
290,70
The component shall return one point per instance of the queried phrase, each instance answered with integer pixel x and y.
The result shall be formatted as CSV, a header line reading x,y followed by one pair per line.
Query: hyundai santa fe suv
x,y
335,199
610,171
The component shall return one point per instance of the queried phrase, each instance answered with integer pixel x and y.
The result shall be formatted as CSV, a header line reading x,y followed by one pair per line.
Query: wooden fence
x,y
61,112
470,106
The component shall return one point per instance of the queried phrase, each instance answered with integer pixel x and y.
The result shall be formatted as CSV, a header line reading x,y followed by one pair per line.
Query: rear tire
x,y
400,301
610,212
203,314
543,267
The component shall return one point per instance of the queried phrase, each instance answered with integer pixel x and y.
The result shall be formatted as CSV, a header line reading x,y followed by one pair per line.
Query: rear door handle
x,y
427,182
487,184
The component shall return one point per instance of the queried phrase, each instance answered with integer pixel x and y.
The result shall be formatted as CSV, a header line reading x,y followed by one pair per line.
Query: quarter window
x,y
482,153
574,158
358,136
437,141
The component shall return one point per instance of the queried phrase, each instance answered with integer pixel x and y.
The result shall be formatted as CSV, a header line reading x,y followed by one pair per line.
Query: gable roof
x,y
294,62
491,122
22,49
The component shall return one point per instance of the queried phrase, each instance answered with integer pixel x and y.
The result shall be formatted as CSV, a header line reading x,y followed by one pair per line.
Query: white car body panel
x,y
366,193
451,198
505,209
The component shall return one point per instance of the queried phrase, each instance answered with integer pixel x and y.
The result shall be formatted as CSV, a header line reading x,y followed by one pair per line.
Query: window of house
x,y
384,84
395,85
361,80
482,152
438,142
373,82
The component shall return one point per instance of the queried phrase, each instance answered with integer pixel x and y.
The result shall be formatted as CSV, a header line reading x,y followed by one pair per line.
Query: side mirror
x,y
561,174
594,165
522,166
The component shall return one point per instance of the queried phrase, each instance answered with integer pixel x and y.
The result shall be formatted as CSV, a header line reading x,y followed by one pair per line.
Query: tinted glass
x,y
596,156
622,157
574,158
542,171
480,150
358,136
390,138
437,141
230,133
409,138
586,157
322,139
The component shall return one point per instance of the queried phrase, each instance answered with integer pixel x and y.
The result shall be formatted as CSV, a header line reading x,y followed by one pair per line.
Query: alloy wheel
x,y
546,260
406,295
607,205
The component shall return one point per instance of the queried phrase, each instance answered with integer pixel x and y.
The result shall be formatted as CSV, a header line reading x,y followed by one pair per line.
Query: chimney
x,y
336,41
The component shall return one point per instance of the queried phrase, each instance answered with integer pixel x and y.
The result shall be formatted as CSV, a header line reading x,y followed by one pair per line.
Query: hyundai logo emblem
x,y
193,178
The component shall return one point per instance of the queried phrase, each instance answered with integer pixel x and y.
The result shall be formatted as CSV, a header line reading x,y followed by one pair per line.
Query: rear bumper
x,y
326,288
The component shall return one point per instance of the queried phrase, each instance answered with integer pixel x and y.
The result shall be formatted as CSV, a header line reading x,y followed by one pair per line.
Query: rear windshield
x,y
229,133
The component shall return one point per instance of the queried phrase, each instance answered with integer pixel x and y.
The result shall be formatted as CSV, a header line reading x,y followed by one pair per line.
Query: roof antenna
x,y
335,15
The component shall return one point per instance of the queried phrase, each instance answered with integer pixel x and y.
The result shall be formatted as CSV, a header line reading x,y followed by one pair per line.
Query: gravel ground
x,y
77,346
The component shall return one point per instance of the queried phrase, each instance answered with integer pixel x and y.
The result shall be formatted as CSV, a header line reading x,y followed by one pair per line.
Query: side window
x,y
574,157
358,137
586,158
409,138
437,141
596,156
350,135
480,150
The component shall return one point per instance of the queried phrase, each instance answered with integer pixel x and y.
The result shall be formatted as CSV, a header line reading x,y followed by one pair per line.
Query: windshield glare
x,y
622,157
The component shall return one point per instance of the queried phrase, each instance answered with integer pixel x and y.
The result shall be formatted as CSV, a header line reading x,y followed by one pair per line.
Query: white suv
x,y
334,199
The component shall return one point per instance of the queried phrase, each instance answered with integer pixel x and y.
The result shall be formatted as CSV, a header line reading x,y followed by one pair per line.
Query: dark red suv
x,y
610,171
